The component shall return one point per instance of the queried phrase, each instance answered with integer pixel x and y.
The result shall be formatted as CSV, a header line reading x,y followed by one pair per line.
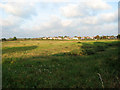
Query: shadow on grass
x,y
86,49
89,49
18,49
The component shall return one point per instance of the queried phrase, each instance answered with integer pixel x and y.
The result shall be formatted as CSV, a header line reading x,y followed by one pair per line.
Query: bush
x,y
4,39
14,38
78,42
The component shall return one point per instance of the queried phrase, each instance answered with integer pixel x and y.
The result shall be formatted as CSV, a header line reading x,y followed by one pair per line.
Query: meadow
x,y
60,64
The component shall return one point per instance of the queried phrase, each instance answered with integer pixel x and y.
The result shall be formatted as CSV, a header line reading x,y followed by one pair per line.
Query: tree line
x,y
96,37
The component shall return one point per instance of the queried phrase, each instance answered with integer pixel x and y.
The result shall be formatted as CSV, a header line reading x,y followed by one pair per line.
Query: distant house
x,y
115,37
44,38
75,38
91,37
82,38
59,38
112,37
88,37
55,38
109,37
66,38
50,38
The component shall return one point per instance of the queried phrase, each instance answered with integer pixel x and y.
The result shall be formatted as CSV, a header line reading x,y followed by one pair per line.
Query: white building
x,y
75,38
59,38
55,38
50,38
65,38
44,38
91,37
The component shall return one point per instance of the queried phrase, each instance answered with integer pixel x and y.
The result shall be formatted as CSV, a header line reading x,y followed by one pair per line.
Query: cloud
x,y
81,19
21,9
66,23
98,5
53,23
72,10
83,26
101,18
83,9
108,17
10,21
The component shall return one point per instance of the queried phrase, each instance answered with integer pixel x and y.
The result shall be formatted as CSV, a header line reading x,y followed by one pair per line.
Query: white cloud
x,y
66,23
52,23
72,10
87,25
76,19
10,21
19,9
97,5
99,19
84,8
108,17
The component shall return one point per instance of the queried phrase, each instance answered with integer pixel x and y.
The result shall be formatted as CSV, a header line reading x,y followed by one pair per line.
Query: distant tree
x,y
66,36
104,37
59,36
85,38
101,37
62,37
4,39
75,36
25,38
10,39
79,37
97,37
112,37
14,38
118,36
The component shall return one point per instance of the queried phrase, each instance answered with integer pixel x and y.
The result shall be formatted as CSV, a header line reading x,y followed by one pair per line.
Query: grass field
x,y
60,64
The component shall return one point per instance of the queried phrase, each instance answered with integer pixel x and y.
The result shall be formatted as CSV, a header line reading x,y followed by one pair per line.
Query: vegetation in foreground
x,y
60,64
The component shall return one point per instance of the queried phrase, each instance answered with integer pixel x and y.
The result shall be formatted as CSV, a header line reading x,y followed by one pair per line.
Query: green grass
x,y
60,64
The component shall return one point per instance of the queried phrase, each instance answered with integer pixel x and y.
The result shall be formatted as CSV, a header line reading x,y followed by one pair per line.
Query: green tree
x,y
79,37
4,39
104,37
118,36
14,38
66,36
97,37
75,36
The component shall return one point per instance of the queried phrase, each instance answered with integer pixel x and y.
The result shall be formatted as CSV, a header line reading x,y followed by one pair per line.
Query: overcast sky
x,y
37,18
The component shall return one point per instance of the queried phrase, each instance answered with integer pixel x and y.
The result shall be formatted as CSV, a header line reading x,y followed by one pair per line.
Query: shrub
x,y
4,39
78,42
14,38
